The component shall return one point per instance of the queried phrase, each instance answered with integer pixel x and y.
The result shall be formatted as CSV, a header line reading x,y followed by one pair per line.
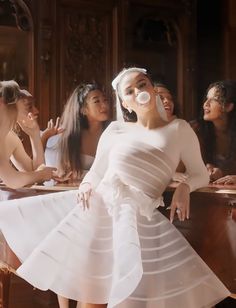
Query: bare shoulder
x,y
13,138
12,142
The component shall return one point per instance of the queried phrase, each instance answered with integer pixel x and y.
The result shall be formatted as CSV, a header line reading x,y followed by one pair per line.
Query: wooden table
x,y
211,231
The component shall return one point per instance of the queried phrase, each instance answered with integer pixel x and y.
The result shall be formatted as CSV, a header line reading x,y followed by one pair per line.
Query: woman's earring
x,y
130,110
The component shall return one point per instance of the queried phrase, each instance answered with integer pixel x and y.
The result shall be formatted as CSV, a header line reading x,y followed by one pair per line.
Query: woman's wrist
x,y
184,185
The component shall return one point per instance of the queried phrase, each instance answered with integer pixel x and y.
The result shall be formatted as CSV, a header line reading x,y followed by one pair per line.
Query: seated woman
x,y
83,120
217,131
106,245
27,120
10,95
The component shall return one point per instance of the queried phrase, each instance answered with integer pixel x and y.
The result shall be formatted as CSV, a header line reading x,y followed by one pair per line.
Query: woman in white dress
x,y
113,248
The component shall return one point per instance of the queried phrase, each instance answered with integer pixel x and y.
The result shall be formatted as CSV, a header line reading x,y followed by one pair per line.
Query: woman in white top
x,y
115,249
82,123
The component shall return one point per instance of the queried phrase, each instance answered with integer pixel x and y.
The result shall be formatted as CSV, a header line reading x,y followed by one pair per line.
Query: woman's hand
x,y
53,129
85,190
47,173
180,202
179,177
64,178
29,124
214,172
228,179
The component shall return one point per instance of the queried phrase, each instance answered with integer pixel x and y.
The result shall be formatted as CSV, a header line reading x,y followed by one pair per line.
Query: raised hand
x,y
29,124
53,129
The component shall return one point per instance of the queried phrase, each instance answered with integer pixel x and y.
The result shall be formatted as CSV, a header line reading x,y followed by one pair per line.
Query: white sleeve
x,y
100,164
190,155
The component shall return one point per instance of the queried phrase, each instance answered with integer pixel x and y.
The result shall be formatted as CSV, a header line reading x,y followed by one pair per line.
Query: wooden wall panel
x,y
161,36
80,41
229,46
85,47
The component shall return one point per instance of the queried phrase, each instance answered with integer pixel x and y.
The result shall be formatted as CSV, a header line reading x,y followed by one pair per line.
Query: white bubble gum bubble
x,y
143,98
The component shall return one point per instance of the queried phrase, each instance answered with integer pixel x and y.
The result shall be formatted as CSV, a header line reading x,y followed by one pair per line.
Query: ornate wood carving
x,y
85,48
22,15
45,56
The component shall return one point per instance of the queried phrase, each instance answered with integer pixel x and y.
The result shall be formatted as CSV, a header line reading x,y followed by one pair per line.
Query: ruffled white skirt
x,y
107,254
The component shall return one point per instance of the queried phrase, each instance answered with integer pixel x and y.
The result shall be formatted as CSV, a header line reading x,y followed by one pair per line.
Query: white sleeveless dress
x,y
122,251
52,157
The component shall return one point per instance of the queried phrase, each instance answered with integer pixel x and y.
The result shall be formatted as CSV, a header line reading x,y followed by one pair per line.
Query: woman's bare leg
x,y
63,302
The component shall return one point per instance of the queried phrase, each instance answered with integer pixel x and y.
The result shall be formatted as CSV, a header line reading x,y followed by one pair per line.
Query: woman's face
x,y
97,106
25,106
167,100
213,109
130,86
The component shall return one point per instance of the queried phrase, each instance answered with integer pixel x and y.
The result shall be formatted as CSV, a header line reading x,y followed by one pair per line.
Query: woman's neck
x,y
150,120
221,126
95,127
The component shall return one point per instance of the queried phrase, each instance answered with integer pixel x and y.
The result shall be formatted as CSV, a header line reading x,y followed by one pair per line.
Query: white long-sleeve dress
x,y
122,251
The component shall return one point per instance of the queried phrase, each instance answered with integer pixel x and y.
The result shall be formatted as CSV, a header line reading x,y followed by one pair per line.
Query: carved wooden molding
x,y
85,48
188,6
22,15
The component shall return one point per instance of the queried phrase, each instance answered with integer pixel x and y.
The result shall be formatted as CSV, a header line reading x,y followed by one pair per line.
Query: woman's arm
x,y
190,155
18,155
100,164
198,176
16,179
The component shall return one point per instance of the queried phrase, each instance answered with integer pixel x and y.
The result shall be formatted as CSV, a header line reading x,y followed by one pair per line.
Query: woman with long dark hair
x,y
83,120
217,131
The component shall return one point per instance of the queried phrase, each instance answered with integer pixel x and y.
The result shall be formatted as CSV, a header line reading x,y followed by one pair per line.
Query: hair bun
x,y
9,91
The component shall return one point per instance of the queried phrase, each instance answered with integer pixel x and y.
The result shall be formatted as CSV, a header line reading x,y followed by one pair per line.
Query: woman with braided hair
x,y
83,120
